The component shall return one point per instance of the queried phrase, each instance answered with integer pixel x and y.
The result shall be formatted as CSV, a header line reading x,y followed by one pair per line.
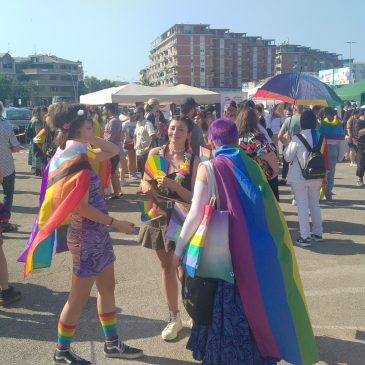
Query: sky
x,y
112,37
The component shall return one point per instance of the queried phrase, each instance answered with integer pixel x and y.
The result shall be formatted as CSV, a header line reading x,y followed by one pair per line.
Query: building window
x,y
53,77
202,69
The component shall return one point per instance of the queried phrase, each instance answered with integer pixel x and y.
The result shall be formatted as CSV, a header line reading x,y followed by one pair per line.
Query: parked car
x,y
18,118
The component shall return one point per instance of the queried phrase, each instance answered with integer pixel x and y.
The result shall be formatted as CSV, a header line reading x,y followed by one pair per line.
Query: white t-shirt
x,y
143,133
274,122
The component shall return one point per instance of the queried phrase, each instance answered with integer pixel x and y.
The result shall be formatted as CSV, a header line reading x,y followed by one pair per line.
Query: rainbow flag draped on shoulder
x,y
64,184
332,130
263,260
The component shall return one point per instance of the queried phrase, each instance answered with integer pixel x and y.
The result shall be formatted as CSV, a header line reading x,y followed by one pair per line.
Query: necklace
x,y
172,150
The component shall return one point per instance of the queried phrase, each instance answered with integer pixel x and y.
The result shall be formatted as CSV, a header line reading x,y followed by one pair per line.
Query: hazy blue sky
x,y
112,37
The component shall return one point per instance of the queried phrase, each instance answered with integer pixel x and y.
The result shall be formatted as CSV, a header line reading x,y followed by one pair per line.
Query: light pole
x,y
75,86
350,60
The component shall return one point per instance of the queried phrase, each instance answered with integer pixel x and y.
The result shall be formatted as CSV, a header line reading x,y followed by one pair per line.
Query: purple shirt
x,y
113,131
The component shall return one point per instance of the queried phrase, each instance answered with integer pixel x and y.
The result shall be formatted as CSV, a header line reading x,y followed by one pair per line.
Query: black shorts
x,y
115,162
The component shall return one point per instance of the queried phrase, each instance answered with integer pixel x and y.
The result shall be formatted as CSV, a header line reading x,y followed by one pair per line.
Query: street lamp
x,y
75,86
350,60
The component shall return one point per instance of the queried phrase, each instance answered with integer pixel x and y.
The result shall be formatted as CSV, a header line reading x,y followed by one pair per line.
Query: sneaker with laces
x,y
316,237
118,349
174,326
9,296
68,356
133,177
303,242
360,182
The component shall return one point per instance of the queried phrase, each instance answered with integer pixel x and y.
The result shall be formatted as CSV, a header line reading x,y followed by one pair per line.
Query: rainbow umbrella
x,y
298,88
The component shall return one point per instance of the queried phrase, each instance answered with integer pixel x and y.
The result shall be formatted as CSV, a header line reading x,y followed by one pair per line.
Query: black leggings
x,y
360,156
274,184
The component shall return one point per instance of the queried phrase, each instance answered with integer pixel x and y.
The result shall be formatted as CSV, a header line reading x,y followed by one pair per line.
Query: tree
x,y
6,87
92,84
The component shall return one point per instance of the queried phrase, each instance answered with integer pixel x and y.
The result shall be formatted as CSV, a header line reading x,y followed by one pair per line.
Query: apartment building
x,y
197,55
56,78
293,58
7,64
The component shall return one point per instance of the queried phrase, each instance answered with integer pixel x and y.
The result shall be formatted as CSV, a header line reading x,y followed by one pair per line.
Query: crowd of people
x,y
107,147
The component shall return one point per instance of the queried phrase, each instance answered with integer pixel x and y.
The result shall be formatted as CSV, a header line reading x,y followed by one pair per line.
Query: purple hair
x,y
223,132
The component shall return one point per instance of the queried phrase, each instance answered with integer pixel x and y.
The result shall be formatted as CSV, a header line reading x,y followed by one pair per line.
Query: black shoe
x,y
118,349
68,357
9,296
282,182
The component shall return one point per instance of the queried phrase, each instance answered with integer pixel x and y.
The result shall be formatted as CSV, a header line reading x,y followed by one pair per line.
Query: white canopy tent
x,y
133,93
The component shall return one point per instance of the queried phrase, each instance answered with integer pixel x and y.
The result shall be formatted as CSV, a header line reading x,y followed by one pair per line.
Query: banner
x,y
341,76
326,76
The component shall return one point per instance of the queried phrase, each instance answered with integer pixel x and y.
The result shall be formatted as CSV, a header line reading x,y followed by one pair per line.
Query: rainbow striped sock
x,y
109,323
65,333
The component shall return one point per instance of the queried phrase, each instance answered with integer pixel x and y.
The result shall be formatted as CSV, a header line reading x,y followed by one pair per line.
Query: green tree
x,y
92,83
6,87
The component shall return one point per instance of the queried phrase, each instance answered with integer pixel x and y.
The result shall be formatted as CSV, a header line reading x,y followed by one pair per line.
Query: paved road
x,y
333,274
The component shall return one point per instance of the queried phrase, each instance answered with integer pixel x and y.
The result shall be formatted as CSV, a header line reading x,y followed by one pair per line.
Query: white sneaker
x,y
353,164
293,202
174,326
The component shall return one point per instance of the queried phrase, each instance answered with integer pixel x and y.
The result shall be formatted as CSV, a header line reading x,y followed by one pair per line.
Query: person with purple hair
x,y
211,344
232,330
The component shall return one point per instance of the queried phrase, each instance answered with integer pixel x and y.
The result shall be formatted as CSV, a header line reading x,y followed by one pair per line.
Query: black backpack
x,y
314,166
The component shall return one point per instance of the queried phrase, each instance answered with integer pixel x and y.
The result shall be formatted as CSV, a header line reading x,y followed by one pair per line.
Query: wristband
x,y
111,222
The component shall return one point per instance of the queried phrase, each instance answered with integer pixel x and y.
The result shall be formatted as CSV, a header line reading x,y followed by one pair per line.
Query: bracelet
x,y
111,222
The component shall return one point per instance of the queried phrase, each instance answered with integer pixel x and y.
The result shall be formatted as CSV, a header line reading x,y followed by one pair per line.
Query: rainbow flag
x,y
332,130
264,261
196,244
176,222
156,166
64,184
205,153
149,211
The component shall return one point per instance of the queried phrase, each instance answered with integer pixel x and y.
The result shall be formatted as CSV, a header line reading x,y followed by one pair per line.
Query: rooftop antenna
x,y
8,47
35,49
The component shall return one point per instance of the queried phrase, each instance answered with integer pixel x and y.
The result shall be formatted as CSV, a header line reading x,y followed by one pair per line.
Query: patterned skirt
x,y
229,339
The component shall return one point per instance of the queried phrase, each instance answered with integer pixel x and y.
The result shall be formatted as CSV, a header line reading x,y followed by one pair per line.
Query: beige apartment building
x,y
197,55
56,78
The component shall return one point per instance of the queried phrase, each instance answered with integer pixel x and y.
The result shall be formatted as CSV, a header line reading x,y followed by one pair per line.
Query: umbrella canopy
x,y
298,88
132,93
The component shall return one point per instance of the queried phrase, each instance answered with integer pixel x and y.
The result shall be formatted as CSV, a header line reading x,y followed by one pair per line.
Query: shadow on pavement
x,y
338,247
157,360
335,351
41,308
25,210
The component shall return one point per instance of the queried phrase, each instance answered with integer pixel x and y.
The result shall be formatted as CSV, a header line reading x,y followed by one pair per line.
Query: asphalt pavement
x,y
333,275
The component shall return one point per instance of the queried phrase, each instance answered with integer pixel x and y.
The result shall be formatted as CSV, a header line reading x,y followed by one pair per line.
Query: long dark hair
x,y
247,121
189,124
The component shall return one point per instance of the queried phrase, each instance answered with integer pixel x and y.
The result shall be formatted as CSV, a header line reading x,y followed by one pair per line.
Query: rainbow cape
x,y
64,184
332,130
263,258
149,211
